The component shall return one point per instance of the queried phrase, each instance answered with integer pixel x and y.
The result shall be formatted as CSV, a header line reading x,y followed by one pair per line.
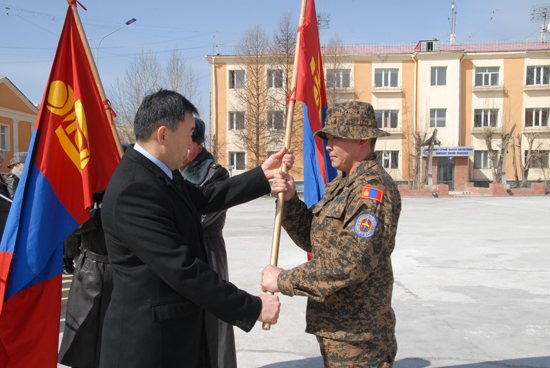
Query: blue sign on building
x,y
450,152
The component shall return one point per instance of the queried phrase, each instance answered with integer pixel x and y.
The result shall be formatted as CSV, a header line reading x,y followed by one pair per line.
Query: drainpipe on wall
x,y
215,110
413,56
460,100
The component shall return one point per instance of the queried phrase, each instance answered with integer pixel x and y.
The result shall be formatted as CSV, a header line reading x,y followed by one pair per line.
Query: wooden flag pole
x,y
288,137
96,75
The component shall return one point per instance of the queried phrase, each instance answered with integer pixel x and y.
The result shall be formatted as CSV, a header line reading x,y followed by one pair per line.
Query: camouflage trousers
x,y
364,354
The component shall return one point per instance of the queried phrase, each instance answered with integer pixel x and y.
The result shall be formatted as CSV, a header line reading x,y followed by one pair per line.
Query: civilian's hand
x,y
270,309
273,163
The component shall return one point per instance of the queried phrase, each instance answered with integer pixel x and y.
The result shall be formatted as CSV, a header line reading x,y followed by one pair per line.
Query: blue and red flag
x,y
72,154
310,89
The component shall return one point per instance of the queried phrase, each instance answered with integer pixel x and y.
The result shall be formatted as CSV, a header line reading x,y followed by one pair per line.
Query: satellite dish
x,y
548,27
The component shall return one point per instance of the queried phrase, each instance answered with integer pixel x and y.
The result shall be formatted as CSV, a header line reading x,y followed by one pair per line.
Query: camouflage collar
x,y
367,165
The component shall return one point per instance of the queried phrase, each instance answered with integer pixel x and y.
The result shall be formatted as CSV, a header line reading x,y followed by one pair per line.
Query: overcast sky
x,y
30,29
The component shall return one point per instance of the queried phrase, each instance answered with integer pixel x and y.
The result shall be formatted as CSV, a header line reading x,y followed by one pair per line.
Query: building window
x,y
385,77
536,117
275,120
274,79
338,78
485,118
236,120
5,137
236,160
540,159
439,75
236,79
487,76
481,160
390,159
538,75
386,118
438,118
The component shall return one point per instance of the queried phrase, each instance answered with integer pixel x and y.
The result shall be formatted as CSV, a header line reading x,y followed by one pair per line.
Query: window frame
x,y
489,113
271,120
484,76
5,137
435,78
384,119
484,157
435,118
234,81
544,72
384,75
390,160
233,121
536,163
339,78
234,160
532,113
275,78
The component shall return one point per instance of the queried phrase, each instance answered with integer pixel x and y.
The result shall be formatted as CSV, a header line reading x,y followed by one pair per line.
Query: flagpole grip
x,y
95,73
288,138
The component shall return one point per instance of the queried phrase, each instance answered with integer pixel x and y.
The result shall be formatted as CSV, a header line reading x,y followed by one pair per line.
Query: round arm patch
x,y
365,225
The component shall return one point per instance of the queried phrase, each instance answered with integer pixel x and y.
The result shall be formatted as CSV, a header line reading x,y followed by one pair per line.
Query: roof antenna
x,y
452,19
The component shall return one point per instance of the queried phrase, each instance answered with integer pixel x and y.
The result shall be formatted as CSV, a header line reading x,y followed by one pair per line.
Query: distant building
x,y
460,89
17,120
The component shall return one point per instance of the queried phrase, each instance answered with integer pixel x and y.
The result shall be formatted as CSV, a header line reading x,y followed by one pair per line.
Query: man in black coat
x,y
151,217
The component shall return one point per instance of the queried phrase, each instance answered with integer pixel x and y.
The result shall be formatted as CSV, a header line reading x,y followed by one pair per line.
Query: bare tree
x,y
145,75
181,77
282,57
338,77
253,53
497,156
430,143
529,157
141,77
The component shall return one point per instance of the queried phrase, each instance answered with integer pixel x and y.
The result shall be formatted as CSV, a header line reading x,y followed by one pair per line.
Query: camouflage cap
x,y
351,120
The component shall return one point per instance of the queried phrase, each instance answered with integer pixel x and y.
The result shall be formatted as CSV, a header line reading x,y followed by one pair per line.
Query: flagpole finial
x,y
74,2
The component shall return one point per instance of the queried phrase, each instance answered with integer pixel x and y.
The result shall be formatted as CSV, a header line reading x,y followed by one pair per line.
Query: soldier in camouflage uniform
x,y
351,234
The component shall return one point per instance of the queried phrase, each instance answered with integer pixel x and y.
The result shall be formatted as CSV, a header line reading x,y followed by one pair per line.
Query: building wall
x,y
18,115
414,97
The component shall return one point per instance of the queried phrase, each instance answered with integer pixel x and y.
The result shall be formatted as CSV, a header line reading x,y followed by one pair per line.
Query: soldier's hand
x,y
283,182
273,163
270,309
269,278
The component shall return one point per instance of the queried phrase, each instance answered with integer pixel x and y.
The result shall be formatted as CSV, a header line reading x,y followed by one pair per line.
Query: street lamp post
x,y
108,34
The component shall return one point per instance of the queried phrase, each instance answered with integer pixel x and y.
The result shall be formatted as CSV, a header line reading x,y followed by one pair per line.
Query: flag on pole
x,y
72,154
310,89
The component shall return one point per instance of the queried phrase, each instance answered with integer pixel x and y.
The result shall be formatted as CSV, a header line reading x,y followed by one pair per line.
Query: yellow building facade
x,y
17,120
463,90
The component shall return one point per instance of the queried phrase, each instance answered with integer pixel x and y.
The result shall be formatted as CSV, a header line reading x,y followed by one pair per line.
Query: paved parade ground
x,y
472,284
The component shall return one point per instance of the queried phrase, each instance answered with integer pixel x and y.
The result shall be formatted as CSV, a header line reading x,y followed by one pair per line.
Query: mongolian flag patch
x,y
372,193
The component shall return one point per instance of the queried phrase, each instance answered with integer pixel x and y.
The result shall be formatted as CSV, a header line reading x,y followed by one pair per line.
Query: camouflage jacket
x,y
351,234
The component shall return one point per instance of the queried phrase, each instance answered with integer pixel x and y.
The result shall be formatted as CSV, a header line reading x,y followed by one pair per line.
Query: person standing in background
x,y
200,168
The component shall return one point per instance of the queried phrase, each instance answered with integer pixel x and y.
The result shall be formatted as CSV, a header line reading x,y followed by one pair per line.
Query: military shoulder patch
x,y
365,225
372,193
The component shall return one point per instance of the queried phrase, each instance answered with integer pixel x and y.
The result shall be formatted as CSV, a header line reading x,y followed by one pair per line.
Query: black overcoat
x,y
162,282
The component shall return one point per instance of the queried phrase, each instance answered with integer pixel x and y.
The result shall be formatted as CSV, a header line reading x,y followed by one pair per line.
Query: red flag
x,y
72,155
310,88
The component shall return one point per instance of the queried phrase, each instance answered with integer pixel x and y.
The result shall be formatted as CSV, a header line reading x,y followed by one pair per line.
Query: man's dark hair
x,y
164,107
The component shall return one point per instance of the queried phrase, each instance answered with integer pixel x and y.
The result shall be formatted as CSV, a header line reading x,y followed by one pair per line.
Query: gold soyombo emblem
x,y
61,102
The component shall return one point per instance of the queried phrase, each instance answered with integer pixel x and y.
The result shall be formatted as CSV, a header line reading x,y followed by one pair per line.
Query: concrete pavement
x,y
472,284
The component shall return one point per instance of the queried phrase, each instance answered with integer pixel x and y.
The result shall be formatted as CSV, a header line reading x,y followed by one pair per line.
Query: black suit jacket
x,y
162,282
